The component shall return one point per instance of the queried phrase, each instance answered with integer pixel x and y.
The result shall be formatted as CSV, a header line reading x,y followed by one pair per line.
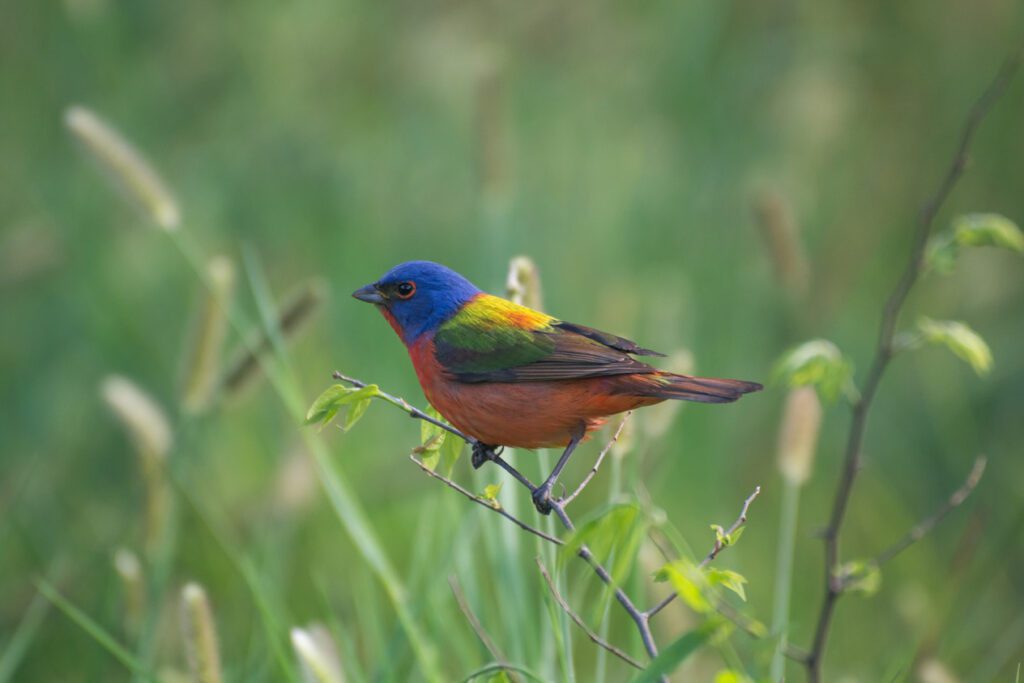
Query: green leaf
x,y
490,495
860,576
356,409
689,582
731,676
958,338
439,447
942,252
817,363
451,451
725,539
988,230
430,433
676,653
616,530
973,230
337,397
727,579
430,454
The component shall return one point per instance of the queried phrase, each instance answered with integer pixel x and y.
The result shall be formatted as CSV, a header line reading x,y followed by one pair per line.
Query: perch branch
x,y
598,640
418,414
413,411
715,549
927,524
883,354
640,618
487,504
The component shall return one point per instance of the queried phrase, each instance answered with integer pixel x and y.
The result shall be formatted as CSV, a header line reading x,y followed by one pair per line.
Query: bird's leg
x,y
483,453
542,494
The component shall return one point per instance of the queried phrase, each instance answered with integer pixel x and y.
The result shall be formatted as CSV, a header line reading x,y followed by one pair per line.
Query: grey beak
x,y
369,294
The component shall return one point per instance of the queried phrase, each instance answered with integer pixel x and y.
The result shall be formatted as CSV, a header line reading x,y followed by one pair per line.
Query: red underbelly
x,y
528,414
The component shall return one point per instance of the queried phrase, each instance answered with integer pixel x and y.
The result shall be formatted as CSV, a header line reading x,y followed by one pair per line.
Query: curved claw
x,y
542,500
482,453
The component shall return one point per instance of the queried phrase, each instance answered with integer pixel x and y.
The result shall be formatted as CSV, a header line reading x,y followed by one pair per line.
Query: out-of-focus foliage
x,y
731,179
818,363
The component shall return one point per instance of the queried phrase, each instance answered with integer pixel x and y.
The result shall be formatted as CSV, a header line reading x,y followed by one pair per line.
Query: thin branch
x,y
597,464
715,549
929,523
418,414
883,354
406,406
481,501
740,521
474,622
640,618
598,640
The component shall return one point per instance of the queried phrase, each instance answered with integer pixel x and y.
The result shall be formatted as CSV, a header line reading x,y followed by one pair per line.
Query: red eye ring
x,y
405,290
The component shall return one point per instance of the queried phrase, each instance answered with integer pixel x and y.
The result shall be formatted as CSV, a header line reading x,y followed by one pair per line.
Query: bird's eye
x,y
405,290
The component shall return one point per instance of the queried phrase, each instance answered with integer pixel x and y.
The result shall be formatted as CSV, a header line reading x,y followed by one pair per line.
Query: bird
x,y
507,375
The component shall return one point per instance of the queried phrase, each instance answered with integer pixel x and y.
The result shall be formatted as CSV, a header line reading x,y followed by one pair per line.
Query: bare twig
x,y
475,624
740,521
883,354
715,549
597,464
582,624
487,504
927,524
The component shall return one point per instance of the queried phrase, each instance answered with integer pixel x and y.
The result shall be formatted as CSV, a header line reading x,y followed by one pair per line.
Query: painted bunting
x,y
508,375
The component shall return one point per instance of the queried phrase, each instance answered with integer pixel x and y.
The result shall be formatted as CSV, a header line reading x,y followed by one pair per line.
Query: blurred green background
x,y
628,149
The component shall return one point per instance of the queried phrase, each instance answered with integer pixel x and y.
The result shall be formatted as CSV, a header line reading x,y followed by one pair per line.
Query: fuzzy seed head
x,y
126,167
140,415
523,283
200,634
798,434
317,655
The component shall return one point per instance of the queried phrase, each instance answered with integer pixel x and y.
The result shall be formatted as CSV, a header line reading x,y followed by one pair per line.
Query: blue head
x,y
418,296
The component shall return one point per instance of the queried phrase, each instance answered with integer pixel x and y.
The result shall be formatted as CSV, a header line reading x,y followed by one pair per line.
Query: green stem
x,y
784,577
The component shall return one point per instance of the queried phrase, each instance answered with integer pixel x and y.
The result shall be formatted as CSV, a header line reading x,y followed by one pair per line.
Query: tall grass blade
x,y
20,641
97,632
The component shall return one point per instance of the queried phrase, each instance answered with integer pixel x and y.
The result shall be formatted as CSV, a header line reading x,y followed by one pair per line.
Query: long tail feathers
x,y
685,388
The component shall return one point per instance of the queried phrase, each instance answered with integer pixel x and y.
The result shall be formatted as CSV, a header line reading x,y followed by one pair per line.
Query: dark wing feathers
x,y
609,340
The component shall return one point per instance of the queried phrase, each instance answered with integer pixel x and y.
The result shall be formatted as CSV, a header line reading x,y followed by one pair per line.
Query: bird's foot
x,y
542,499
483,453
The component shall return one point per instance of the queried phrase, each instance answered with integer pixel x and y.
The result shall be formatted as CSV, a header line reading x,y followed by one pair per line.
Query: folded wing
x,y
494,340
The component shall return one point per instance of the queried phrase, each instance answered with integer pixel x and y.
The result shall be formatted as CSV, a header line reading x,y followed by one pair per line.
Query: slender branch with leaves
x,y
820,363
353,397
